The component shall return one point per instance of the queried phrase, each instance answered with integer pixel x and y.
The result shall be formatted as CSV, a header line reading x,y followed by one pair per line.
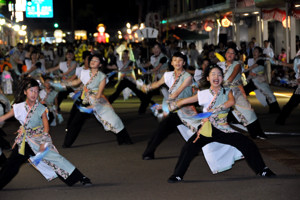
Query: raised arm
x,y
185,84
154,85
70,69
7,115
188,100
237,69
53,69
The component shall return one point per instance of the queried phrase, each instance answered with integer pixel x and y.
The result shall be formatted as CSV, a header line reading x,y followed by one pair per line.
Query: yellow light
x,y
286,94
120,36
255,13
119,32
128,25
129,31
16,27
142,26
208,26
246,14
22,33
225,22
219,23
284,22
2,22
135,27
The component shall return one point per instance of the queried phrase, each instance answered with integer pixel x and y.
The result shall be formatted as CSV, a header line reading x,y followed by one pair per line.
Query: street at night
x,y
118,172
149,100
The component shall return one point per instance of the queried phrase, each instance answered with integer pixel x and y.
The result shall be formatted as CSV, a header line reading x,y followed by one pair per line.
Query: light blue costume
x,y
102,110
242,108
35,136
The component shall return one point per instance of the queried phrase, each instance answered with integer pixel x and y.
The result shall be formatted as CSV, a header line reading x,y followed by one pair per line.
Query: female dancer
x,y
242,108
68,68
92,99
48,97
33,137
34,65
295,98
257,79
216,100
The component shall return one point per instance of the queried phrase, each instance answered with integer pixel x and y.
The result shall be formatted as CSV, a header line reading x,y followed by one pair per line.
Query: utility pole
x,y
72,21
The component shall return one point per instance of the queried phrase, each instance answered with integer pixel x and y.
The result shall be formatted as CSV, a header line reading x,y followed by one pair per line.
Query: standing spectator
x,y
193,54
18,58
49,55
268,51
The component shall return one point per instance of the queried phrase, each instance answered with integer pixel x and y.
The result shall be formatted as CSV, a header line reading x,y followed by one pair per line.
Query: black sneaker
x,y
267,173
174,179
262,136
85,181
148,156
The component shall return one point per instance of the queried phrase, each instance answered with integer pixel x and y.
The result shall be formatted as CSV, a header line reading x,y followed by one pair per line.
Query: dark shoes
x,y
148,157
266,172
262,136
123,137
174,179
85,181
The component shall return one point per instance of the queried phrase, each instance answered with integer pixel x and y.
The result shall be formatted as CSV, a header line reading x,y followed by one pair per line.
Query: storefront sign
x,y
40,9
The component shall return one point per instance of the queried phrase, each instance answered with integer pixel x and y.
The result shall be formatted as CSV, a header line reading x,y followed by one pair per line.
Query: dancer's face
x,y
95,62
32,93
177,63
215,78
230,54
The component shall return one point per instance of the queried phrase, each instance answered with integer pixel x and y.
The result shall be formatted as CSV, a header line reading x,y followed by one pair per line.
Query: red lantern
x,y
208,26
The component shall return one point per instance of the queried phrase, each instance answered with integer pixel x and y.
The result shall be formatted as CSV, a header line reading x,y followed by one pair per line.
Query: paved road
x,y
118,172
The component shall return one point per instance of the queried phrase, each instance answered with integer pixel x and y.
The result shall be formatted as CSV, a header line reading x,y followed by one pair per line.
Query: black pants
x,y
63,95
241,142
144,98
72,113
16,160
288,108
165,128
74,125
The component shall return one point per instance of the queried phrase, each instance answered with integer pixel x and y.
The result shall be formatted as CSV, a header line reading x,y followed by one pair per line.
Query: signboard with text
x,y
39,9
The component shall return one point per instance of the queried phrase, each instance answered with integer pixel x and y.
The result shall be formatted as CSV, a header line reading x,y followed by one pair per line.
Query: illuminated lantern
x,y
208,26
284,22
225,22
101,38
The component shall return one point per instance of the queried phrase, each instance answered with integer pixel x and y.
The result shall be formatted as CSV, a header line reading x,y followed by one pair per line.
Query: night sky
x,y
88,14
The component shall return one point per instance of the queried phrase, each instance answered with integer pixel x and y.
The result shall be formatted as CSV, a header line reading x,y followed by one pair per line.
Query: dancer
x,y
257,80
242,108
86,57
179,83
48,97
295,98
93,100
68,68
127,80
216,100
33,138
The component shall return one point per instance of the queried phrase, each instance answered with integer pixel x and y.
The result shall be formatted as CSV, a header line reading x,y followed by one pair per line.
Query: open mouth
x,y
216,81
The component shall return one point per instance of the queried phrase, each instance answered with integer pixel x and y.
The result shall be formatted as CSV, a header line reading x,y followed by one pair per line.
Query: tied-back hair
x,y
25,84
204,83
